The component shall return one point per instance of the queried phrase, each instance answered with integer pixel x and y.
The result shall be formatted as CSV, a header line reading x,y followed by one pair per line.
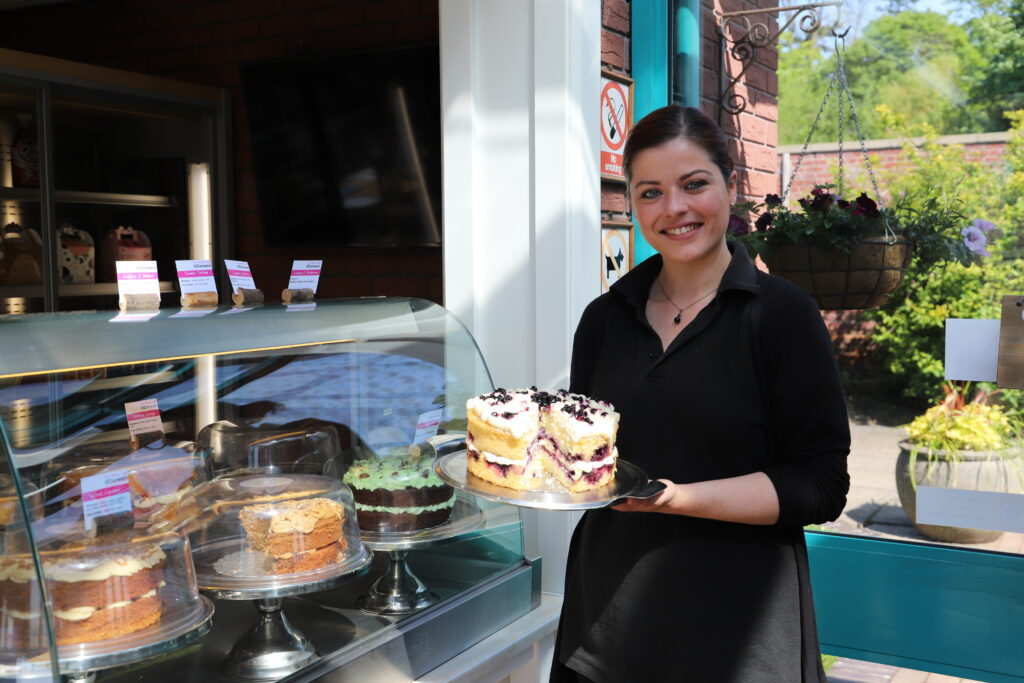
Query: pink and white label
x,y
106,493
143,417
427,424
305,275
240,275
195,276
137,277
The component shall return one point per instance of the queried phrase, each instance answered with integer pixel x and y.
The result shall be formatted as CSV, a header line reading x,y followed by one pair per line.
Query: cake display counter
x,y
247,495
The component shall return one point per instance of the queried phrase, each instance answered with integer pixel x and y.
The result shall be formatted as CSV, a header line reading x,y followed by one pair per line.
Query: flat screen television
x,y
347,147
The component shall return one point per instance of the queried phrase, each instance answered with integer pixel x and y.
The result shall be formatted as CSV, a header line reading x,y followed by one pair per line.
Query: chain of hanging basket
x,y
839,76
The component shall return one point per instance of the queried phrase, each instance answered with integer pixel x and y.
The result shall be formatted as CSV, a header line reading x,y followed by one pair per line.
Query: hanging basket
x,y
864,278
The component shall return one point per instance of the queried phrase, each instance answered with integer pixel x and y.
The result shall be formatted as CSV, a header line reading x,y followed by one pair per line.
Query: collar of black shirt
x,y
741,274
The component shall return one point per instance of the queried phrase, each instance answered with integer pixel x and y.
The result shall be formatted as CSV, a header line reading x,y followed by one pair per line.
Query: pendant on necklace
x,y
679,316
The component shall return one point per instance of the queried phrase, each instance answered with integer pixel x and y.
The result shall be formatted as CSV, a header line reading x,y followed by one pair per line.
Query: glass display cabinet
x,y
246,494
99,165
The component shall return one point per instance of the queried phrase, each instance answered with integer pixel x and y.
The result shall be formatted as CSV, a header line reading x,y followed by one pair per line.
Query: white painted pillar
x,y
520,84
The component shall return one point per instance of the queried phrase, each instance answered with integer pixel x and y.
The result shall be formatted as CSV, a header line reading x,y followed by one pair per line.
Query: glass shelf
x,y
81,197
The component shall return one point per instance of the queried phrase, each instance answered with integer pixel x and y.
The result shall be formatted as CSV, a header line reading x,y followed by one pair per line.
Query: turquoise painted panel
x,y
933,608
651,61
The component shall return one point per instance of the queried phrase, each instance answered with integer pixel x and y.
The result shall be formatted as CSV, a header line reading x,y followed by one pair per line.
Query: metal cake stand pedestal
x,y
398,590
272,648
82,668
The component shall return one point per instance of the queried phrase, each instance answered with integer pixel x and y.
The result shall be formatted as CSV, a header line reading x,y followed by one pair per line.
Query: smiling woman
x,y
743,420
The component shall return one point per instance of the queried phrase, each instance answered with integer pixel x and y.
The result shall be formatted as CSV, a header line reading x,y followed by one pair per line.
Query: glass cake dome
x,y
157,475
106,595
304,446
258,533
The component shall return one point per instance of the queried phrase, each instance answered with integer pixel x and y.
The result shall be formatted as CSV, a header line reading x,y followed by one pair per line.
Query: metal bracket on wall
x,y
749,38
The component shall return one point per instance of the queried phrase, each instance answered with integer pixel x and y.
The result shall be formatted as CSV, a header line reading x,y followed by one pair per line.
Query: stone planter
x,y
995,471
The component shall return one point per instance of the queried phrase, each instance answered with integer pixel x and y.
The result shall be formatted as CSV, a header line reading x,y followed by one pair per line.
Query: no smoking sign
x,y
616,116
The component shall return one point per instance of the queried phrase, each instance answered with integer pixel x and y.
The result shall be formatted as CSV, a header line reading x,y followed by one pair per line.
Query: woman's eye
x,y
650,194
695,184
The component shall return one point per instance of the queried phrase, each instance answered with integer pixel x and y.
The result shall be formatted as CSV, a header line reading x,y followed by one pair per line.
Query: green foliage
x,y
920,65
956,425
910,328
931,223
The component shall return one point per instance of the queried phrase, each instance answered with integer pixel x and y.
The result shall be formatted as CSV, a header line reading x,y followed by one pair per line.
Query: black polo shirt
x,y
750,385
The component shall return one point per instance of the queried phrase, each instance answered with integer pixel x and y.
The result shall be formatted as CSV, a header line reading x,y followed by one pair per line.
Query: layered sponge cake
x,y
399,494
298,535
97,594
534,440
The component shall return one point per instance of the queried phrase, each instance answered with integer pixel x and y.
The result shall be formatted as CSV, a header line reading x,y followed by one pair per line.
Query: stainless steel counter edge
x,y
419,644
498,655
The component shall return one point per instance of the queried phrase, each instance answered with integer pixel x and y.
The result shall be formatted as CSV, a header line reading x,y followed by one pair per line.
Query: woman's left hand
x,y
656,503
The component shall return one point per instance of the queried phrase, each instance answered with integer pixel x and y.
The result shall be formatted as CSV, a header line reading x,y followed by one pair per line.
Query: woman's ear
x,y
732,187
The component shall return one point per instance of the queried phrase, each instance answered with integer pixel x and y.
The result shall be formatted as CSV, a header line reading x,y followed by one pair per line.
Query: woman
x,y
728,393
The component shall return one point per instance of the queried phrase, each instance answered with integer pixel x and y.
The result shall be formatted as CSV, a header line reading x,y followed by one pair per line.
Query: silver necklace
x,y
679,315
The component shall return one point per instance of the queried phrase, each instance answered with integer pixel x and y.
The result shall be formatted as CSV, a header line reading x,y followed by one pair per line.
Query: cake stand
x,y
271,648
79,663
399,590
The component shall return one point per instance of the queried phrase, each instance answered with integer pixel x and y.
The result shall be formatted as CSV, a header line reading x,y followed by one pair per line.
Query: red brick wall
x,y
205,42
820,165
755,130
615,51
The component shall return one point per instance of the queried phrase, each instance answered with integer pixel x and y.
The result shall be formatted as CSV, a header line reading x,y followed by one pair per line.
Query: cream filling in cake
x,y
84,612
114,566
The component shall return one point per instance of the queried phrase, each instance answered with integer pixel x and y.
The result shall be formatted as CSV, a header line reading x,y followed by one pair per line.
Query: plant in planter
x,y
852,254
959,444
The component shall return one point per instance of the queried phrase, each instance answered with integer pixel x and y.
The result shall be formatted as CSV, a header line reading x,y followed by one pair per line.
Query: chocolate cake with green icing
x,y
398,494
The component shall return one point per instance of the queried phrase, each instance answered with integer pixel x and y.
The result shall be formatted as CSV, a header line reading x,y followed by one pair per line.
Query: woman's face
x,y
681,200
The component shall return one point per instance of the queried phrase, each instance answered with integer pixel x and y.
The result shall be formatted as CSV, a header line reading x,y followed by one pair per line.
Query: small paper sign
x,y
137,277
195,276
427,424
104,494
972,349
305,275
240,275
290,308
144,417
134,316
192,312
990,510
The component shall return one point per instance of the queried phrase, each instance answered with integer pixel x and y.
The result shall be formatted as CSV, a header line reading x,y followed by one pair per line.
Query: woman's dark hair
x,y
675,122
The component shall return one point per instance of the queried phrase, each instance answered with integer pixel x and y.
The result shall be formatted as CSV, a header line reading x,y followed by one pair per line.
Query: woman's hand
x,y
747,499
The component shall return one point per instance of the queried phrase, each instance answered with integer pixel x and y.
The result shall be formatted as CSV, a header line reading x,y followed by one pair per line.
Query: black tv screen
x,y
347,147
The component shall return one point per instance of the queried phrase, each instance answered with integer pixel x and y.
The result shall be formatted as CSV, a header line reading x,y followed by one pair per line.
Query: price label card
x,y
134,316
427,424
195,276
192,312
106,493
143,417
137,277
305,275
291,308
240,275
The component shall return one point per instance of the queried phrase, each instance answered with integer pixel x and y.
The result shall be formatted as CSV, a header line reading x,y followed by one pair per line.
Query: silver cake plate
x,y
629,482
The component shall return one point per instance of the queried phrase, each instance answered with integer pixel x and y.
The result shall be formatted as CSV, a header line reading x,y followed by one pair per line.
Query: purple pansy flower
x,y
983,225
772,200
975,239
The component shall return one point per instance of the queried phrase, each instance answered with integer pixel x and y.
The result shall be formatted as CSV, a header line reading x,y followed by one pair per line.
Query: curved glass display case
x,y
222,439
